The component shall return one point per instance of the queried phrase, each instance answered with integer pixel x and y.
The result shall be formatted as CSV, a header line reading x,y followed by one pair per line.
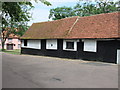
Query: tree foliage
x,y
45,2
15,15
84,9
88,9
61,12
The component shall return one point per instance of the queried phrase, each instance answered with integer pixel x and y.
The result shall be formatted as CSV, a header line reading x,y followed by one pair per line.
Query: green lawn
x,y
17,52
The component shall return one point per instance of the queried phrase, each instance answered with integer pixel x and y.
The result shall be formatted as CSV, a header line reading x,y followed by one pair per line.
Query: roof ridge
x,y
56,20
73,25
75,17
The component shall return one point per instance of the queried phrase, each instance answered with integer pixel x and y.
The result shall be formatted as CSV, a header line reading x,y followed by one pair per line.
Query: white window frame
x,y
22,43
50,42
75,45
29,46
90,45
34,41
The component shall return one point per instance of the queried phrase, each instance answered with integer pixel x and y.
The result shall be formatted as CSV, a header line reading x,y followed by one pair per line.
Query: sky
x,y
41,11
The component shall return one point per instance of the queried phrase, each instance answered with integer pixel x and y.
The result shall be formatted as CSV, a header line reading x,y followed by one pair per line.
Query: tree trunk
x,y
3,43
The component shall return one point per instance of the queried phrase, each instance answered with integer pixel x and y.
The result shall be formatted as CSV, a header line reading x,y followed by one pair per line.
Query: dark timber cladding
x,y
106,51
94,37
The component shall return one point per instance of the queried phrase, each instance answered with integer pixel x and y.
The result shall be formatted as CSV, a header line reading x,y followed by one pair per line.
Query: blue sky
x,y
41,12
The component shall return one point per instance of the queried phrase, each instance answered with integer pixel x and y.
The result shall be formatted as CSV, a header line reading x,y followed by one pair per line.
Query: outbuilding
x,y
94,37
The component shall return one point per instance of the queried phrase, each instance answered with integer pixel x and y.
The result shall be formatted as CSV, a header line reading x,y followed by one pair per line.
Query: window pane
x,y
25,42
69,45
90,45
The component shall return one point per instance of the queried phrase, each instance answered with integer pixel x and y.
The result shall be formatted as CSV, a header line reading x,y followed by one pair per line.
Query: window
x,y
90,45
35,44
69,45
51,44
25,42
9,39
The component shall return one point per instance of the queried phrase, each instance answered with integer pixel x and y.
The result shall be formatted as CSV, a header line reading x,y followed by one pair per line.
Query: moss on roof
x,y
97,26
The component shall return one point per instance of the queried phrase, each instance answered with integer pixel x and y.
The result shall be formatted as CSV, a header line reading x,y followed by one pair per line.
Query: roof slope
x,y
50,29
97,26
11,35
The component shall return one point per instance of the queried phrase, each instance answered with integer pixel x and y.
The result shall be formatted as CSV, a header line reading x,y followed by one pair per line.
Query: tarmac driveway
x,y
27,71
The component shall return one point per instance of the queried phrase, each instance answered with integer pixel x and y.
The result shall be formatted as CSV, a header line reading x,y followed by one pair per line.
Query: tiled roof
x,y
10,36
96,26
50,29
13,36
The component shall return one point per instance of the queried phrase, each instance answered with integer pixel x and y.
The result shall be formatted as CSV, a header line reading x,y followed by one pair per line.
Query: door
x,y
9,46
118,56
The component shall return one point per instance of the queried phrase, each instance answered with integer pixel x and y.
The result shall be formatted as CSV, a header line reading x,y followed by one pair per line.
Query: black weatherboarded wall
x,y
106,51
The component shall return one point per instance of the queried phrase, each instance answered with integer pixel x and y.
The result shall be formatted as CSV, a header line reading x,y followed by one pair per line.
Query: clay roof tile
x,y
96,26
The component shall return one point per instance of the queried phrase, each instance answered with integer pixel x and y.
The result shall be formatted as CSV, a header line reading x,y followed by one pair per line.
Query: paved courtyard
x,y
27,71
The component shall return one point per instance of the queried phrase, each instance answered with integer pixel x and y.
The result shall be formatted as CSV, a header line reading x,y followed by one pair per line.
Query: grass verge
x,y
16,52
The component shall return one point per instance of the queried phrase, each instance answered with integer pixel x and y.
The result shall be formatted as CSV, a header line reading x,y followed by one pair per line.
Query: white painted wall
x,y
51,44
22,43
118,56
75,45
35,44
14,41
90,45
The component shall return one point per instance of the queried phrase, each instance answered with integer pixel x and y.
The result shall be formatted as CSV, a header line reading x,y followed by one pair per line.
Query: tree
x,y
90,8
15,15
85,8
45,2
106,7
61,12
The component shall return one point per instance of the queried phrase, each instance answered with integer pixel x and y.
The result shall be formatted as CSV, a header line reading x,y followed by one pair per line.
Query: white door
x,y
118,56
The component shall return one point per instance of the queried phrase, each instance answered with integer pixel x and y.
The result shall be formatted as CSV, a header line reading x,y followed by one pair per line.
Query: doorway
x,y
9,46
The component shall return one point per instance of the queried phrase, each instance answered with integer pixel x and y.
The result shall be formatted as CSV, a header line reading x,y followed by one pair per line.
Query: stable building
x,y
94,37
